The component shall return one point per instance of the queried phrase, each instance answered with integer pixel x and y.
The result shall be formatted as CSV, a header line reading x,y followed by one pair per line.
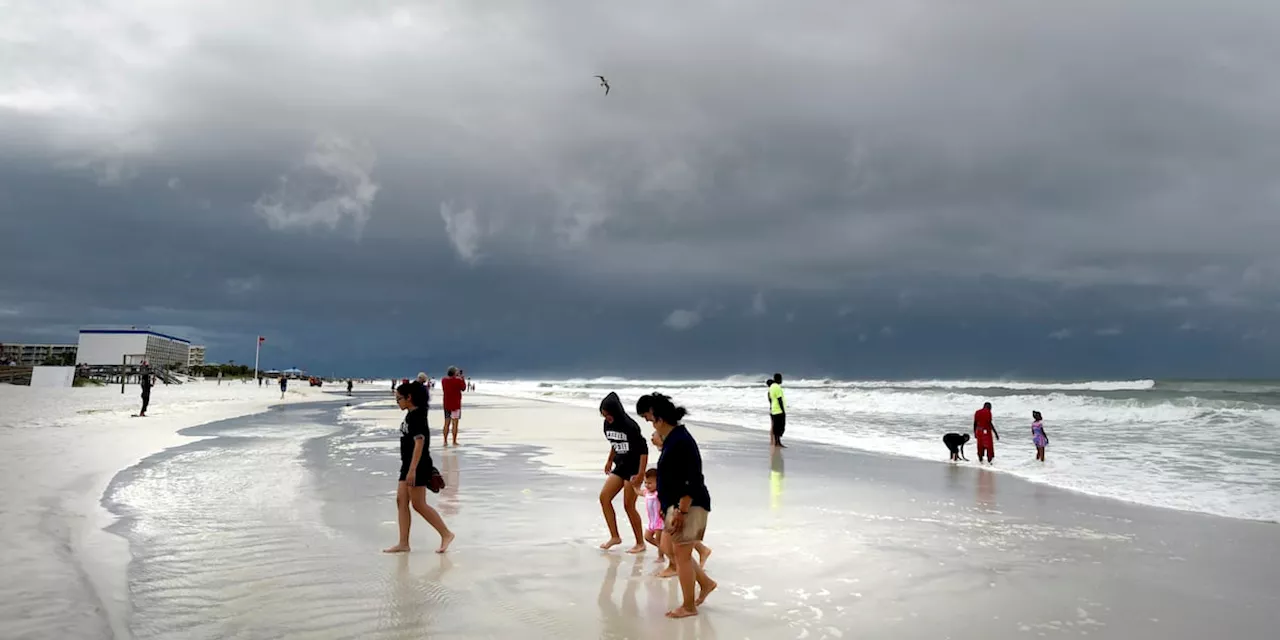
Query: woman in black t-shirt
x,y
624,470
415,468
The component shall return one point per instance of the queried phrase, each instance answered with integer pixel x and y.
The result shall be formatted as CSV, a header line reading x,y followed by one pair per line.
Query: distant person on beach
x,y
284,386
777,410
350,384
955,444
1038,437
628,458
451,386
683,496
145,381
425,381
983,429
416,469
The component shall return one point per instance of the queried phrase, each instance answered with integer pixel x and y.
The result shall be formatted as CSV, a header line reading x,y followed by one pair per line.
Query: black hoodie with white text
x,y
623,434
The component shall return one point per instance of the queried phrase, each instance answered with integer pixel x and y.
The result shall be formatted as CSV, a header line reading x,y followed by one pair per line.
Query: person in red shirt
x,y
452,386
983,429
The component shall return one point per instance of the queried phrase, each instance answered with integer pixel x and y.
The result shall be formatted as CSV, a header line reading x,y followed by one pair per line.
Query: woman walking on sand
x,y
683,496
624,470
1038,437
415,469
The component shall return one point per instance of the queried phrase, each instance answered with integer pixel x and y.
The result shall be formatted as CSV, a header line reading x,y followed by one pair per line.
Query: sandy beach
x,y
65,575
269,525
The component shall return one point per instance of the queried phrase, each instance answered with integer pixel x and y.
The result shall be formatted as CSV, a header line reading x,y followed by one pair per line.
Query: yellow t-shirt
x,y
775,399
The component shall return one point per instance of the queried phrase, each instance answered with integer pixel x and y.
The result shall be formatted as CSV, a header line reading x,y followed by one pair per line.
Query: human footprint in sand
x,y
628,457
682,493
415,469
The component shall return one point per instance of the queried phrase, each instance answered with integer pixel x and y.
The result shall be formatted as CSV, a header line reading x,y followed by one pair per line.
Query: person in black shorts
x,y
624,470
415,469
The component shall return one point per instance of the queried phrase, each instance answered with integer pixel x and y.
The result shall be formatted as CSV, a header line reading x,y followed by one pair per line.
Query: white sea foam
x,y
1198,446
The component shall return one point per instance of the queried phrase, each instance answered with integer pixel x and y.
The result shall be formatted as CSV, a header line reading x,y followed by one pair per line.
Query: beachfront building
x,y
195,356
34,355
131,345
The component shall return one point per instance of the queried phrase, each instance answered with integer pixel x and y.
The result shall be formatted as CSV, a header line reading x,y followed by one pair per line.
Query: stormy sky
x,y
871,188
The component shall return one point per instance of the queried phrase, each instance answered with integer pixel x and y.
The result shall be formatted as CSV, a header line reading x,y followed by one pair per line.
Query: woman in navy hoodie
x,y
624,470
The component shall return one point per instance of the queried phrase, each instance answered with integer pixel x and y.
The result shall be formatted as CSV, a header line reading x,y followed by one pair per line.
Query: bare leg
x,y
687,574
629,506
655,538
403,518
612,485
419,501
455,432
446,432
704,553
668,548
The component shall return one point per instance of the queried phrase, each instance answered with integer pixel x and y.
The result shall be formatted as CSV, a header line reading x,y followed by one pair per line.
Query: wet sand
x,y
64,577
271,526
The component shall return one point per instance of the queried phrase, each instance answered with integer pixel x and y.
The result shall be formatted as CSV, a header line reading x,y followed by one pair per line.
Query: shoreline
x,y
67,445
877,546
796,434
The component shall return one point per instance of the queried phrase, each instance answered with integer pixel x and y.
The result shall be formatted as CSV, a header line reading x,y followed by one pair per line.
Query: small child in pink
x,y
653,533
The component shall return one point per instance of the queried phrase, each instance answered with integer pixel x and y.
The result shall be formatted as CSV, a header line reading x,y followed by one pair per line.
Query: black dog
x,y
955,443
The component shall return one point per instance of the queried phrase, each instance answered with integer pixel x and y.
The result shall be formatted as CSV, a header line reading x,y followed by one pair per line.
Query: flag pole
x,y
257,350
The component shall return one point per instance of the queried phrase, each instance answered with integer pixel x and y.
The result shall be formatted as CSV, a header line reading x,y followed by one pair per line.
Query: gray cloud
x,y
866,163
683,319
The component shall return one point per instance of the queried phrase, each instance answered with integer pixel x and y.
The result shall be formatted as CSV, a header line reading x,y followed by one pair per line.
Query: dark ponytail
x,y
666,410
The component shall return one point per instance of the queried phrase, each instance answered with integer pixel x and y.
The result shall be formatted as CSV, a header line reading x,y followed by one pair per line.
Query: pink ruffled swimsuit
x,y
654,509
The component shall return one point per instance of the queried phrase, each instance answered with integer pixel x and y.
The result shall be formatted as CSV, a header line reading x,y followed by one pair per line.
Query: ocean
x,y
1205,446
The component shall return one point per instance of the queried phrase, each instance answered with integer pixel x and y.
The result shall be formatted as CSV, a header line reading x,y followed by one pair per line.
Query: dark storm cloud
x,y
282,166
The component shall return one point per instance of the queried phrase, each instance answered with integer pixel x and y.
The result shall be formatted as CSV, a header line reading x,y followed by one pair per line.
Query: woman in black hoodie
x,y
625,467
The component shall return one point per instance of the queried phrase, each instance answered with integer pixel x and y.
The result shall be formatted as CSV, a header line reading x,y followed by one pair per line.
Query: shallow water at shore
x,y
273,528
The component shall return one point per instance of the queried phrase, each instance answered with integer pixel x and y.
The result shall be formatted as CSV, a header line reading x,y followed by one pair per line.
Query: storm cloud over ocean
x,y
871,189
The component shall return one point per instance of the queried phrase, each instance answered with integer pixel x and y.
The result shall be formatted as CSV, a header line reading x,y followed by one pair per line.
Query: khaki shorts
x,y
695,525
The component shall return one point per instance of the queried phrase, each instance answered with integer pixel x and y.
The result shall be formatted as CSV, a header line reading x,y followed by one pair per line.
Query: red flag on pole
x,y
261,339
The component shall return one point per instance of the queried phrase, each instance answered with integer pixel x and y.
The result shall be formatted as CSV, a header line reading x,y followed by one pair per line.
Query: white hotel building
x,y
132,346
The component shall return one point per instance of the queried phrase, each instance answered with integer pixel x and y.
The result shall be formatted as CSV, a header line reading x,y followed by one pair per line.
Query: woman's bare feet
x,y
666,573
400,548
704,554
660,559
640,548
447,540
681,612
702,595
611,543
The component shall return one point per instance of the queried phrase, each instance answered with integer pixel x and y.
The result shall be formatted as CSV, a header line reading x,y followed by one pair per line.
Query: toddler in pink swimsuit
x,y
653,533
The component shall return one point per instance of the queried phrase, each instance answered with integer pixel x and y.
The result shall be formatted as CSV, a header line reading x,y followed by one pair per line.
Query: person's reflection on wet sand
x,y
414,592
448,503
697,628
611,615
986,488
953,475
777,474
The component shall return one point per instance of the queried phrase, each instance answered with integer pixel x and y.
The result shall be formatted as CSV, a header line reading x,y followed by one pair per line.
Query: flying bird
x,y
604,83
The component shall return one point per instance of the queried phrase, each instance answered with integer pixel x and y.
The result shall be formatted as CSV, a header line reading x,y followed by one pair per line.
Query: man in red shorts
x,y
983,429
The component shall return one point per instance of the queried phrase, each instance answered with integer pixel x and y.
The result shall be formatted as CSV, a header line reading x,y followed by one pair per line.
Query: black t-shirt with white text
x,y
627,441
414,425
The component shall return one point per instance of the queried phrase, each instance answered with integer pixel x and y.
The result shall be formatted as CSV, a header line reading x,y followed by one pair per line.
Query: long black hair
x,y
416,392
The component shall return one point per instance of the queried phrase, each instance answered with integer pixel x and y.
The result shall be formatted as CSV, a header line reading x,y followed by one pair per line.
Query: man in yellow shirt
x,y
777,410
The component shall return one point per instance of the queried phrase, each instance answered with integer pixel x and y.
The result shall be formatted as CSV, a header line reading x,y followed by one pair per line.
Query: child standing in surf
x,y
1038,436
